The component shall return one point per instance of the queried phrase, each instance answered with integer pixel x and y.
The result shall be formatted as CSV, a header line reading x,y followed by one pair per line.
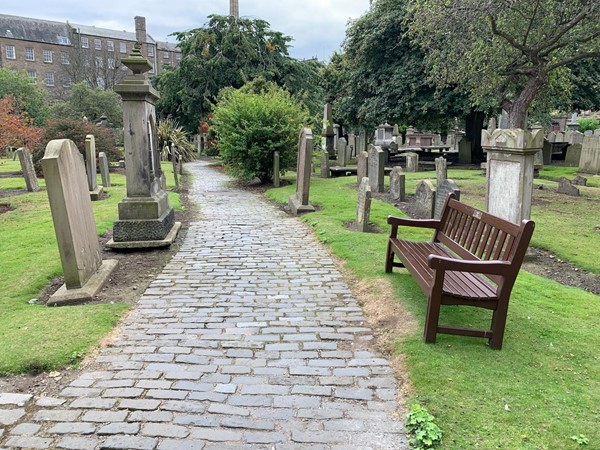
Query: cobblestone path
x,y
248,339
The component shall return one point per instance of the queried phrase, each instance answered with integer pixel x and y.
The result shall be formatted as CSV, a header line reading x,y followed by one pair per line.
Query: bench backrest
x,y
475,234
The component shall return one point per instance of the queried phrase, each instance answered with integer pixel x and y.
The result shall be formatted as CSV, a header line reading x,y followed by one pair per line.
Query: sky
x,y
316,26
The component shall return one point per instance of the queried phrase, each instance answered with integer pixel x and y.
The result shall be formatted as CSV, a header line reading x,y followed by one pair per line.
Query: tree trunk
x,y
517,112
473,127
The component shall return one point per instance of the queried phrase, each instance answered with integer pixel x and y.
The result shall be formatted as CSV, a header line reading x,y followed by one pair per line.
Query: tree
x,y
381,76
228,52
27,95
585,79
16,128
505,53
252,123
92,103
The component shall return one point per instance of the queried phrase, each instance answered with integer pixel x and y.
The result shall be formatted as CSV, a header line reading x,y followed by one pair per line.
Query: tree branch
x,y
581,40
543,50
507,36
533,17
568,61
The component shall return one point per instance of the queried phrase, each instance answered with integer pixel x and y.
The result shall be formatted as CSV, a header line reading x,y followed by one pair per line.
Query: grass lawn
x,y
34,337
543,387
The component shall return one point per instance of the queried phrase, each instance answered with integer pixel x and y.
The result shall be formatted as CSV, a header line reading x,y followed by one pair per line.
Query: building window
x,y
150,50
47,56
85,42
178,56
64,57
166,55
66,81
122,47
10,52
29,54
49,79
32,74
63,40
97,44
110,46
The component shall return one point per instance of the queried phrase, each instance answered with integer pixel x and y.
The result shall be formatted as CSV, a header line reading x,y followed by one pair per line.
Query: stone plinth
x,y
298,202
31,181
145,216
510,171
84,271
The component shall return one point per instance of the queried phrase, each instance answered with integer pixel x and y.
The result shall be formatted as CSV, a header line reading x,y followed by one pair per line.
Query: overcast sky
x,y
317,26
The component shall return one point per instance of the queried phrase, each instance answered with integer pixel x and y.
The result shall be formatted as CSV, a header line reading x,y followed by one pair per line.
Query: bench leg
x,y
498,325
389,258
432,318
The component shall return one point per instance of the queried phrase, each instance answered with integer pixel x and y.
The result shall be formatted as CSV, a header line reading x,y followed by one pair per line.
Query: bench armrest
x,y
461,265
395,221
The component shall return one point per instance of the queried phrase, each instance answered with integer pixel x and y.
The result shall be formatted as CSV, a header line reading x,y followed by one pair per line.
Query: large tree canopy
x,y
228,52
506,52
28,96
380,76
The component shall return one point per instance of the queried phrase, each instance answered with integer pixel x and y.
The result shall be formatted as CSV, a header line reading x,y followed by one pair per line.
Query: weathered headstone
x,y
175,162
363,206
444,189
299,201
412,162
590,155
398,184
362,168
588,133
31,181
276,169
342,152
597,132
328,132
351,145
566,187
547,153
573,155
503,120
90,167
362,142
325,165
376,169
464,151
146,219
104,169
441,170
580,181
424,200
84,271
336,134
491,124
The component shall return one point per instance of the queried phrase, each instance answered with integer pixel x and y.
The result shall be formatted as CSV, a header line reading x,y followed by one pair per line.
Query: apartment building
x,y
57,54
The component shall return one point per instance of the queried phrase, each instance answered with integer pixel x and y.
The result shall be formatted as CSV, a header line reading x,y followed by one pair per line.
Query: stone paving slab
x,y
248,339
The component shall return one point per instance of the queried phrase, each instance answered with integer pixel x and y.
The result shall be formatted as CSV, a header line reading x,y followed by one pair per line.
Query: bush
x,y
77,130
253,122
587,123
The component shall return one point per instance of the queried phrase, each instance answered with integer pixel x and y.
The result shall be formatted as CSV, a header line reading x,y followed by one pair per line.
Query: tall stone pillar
x,y
328,132
234,8
510,164
145,216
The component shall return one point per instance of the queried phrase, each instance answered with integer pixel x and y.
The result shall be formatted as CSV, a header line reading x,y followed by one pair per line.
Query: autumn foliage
x,y
16,128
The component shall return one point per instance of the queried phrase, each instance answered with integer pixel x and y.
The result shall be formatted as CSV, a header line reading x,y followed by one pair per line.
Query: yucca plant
x,y
169,132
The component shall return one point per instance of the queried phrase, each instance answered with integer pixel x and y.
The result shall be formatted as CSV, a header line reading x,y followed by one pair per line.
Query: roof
x,y
161,45
35,30
91,30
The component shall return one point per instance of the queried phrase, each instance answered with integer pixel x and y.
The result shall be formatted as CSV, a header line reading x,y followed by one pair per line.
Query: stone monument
x,y
298,202
441,170
104,169
398,184
31,181
84,271
328,132
376,169
145,217
324,165
362,167
276,169
363,205
566,187
90,167
342,152
589,162
443,191
424,200
412,162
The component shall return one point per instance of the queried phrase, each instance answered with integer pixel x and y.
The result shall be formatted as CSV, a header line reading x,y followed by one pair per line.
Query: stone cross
x,y
441,170
398,184
363,205
362,168
31,181
342,152
324,165
443,191
299,201
424,200
376,168
412,162
74,225
104,169
276,169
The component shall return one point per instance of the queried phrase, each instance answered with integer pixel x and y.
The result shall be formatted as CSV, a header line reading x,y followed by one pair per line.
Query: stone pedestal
x,y
145,217
510,169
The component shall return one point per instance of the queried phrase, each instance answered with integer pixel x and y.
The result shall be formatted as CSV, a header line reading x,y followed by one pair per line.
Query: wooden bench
x,y
473,259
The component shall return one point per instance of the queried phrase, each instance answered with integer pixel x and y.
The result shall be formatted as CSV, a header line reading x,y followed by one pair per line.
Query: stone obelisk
x,y
234,8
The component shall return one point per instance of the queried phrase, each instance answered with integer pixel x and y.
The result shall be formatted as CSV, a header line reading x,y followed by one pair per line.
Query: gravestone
x,y
363,206
580,181
398,184
90,167
336,134
31,181
597,132
502,121
464,151
325,165
351,145
362,142
104,169
362,168
376,168
491,124
328,132
84,271
412,162
146,220
276,168
424,200
175,162
444,189
588,133
342,152
573,155
441,170
589,161
546,153
298,202
566,187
